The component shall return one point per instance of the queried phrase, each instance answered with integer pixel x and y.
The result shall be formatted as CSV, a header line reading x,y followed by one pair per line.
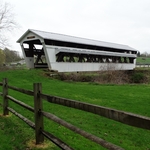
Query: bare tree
x,y
7,22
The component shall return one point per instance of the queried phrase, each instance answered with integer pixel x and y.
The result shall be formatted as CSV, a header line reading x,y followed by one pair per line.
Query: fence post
x,y
38,106
5,99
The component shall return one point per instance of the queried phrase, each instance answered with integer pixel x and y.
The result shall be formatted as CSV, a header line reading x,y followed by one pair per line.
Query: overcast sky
x,y
118,21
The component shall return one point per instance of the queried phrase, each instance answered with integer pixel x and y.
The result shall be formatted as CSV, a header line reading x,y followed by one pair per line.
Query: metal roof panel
x,y
78,40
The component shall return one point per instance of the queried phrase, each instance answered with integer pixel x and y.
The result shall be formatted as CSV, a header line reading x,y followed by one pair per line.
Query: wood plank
x,y
117,115
28,92
20,103
81,132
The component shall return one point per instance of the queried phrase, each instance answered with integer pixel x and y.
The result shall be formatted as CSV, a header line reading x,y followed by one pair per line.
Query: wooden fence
x,y
39,113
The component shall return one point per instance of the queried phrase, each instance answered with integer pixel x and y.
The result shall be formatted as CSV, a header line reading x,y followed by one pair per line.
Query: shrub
x,y
108,77
112,77
80,77
137,77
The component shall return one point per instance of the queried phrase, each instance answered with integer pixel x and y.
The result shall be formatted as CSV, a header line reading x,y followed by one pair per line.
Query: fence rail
x,y
39,113
121,116
28,92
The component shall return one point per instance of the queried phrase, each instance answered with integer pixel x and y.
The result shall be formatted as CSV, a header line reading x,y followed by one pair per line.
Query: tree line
x,y
144,54
8,56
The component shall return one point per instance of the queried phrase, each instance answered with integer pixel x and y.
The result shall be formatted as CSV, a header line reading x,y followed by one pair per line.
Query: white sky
x,y
119,21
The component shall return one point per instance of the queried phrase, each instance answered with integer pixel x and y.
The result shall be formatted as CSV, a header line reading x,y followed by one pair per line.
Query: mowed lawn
x,y
143,60
15,134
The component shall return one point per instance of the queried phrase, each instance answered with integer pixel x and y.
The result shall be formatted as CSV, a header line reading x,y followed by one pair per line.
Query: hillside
x,y
127,97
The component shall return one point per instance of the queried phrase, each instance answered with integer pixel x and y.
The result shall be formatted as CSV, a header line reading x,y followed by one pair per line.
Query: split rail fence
x,y
39,113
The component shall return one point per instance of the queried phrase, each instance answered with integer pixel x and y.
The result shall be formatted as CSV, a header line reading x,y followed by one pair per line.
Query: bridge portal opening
x,y
34,49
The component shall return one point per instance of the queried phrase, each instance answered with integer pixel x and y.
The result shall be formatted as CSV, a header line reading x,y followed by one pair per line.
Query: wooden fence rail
x,y
39,113
121,116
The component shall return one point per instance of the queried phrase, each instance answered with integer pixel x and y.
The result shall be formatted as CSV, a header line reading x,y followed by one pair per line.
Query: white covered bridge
x,y
71,54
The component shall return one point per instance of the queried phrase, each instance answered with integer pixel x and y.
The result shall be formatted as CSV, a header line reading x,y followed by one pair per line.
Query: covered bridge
x,y
71,54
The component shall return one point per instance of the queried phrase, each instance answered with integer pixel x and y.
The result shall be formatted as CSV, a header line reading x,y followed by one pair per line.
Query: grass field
x,y
16,135
143,60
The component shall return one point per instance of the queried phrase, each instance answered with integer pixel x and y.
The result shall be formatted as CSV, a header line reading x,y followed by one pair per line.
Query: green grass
x,y
143,60
13,133
131,98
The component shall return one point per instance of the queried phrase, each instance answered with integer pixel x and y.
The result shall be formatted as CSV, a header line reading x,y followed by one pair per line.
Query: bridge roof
x,y
77,40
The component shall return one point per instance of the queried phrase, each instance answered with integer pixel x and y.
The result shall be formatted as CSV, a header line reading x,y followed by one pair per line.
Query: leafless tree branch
x,y
7,22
